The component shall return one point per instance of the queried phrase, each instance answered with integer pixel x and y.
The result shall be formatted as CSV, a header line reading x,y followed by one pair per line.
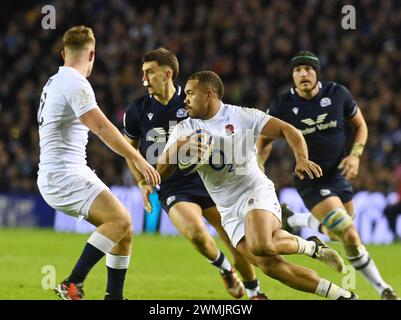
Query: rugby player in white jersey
x,y
245,197
67,111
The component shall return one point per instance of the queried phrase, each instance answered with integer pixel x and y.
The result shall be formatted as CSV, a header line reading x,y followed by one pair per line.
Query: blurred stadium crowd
x,y
248,42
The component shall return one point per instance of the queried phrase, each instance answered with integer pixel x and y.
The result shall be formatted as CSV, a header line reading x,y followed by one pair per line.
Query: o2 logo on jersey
x,y
217,161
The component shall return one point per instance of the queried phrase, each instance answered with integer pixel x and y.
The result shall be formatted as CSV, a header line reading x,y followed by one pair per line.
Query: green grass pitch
x,y
161,268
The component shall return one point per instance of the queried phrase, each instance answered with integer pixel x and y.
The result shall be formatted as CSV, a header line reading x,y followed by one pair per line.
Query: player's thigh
x,y
259,227
107,208
212,215
324,207
349,206
187,218
265,262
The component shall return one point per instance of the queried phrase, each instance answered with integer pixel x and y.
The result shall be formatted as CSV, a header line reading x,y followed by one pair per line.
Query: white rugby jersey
x,y
63,138
233,166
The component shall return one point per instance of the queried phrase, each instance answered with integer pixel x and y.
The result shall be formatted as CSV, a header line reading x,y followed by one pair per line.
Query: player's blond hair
x,y
78,37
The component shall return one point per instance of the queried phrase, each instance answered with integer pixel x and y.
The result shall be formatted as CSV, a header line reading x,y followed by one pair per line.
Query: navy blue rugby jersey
x,y
322,121
151,122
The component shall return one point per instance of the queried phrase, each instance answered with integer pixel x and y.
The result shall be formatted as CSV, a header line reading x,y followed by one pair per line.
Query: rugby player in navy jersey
x,y
321,110
148,121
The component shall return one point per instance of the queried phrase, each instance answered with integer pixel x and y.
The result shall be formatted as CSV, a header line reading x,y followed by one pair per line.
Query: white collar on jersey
x,y
177,91
318,83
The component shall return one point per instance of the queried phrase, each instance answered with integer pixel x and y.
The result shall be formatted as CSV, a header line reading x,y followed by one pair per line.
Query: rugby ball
x,y
191,163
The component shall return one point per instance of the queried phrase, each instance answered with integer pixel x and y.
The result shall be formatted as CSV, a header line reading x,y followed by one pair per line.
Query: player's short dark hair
x,y
209,78
163,57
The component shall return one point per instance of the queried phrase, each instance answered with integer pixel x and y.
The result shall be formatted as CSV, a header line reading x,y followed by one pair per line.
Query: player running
x,y
147,123
245,198
320,110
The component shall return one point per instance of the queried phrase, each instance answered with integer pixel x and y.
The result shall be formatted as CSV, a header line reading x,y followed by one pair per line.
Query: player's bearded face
x,y
305,78
195,100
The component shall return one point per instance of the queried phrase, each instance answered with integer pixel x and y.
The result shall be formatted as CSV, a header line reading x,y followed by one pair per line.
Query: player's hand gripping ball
x,y
192,160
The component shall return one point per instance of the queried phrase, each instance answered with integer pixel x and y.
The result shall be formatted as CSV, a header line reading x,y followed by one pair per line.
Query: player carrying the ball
x,y
245,197
148,121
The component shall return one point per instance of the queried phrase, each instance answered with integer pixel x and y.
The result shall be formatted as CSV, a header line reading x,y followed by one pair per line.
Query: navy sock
x,y
89,257
115,283
251,284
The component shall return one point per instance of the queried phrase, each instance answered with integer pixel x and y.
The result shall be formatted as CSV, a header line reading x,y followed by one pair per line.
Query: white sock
x,y
306,247
252,288
330,290
299,220
367,267
117,262
221,262
101,242
313,223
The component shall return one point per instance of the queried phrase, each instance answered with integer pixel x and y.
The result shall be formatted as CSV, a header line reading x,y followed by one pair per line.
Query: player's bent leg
x,y
112,219
241,264
338,221
295,276
265,238
246,270
187,218
260,226
117,262
113,223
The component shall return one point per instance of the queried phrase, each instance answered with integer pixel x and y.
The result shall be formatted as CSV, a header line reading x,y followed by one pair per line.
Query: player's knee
x,y
338,222
123,222
127,240
198,237
263,248
351,236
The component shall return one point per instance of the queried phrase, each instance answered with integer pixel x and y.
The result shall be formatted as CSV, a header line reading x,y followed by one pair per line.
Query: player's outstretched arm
x,y
276,128
145,188
98,123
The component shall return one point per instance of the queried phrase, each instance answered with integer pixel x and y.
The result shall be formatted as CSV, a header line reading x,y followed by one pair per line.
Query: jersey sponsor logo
x,y
150,116
170,200
159,134
324,192
229,130
181,113
311,122
325,102
318,125
295,110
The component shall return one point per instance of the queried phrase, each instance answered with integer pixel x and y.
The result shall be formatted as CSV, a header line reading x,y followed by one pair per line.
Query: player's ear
x,y
91,55
167,75
63,54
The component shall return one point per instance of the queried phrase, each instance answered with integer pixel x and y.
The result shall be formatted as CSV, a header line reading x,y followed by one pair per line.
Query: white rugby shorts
x,y
71,191
262,196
